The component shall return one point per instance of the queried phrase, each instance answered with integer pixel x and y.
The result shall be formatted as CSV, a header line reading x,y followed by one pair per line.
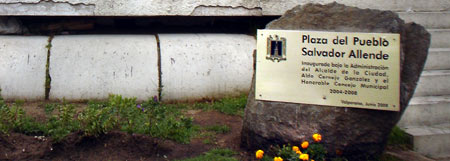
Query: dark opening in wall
x,y
40,25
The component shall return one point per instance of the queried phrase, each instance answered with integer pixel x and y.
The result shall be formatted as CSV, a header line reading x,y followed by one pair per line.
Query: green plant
x,y
216,155
14,119
150,118
227,105
63,123
49,108
219,129
399,138
163,123
314,151
285,152
96,121
231,106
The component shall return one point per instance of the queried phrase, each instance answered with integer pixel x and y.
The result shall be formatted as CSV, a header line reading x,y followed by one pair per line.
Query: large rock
x,y
359,133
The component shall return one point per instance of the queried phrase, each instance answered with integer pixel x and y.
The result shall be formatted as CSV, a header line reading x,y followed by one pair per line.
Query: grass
x,y
209,133
216,155
227,105
399,139
219,129
386,157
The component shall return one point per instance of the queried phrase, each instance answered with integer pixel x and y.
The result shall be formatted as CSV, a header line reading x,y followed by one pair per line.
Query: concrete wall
x,y
196,66
22,67
94,66
84,67
194,7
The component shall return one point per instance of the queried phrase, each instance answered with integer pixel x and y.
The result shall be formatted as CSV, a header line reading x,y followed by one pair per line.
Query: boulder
x,y
357,134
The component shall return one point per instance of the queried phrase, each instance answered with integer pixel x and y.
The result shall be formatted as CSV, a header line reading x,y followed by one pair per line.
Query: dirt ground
x,y
120,146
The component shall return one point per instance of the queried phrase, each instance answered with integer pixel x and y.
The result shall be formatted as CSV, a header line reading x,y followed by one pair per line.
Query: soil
x,y
119,145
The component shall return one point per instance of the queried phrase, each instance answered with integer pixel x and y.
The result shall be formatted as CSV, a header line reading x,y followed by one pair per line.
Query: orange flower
x,y
277,159
305,145
298,152
259,154
304,157
317,137
295,148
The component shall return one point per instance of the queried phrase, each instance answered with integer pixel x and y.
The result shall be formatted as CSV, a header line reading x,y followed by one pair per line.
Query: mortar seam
x,y
160,85
48,78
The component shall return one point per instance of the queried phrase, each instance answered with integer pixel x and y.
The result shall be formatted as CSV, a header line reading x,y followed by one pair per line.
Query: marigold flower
x,y
295,148
304,157
317,137
259,154
277,159
298,152
305,145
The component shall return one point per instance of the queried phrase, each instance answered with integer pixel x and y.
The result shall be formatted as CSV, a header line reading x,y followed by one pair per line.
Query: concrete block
x,y
197,66
94,66
440,38
194,7
432,141
22,67
426,111
434,20
433,83
438,59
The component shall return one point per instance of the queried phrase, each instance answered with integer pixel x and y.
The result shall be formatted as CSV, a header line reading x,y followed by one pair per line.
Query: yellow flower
x,y
298,152
304,157
317,137
305,145
259,154
277,159
295,148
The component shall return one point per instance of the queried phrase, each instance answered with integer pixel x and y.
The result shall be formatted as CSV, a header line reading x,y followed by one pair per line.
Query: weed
x,y
399,138
219,129
216,155
151,118
386,157
60,125
231,106
227,105
49,108
14,119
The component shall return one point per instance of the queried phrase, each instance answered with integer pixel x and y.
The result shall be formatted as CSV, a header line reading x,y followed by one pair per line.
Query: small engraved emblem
x,y
276,48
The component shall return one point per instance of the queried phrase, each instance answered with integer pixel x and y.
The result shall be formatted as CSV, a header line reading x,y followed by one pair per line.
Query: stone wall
x,y
193,7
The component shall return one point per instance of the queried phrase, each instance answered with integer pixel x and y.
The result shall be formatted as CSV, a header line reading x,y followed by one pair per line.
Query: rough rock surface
x,y
357,134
